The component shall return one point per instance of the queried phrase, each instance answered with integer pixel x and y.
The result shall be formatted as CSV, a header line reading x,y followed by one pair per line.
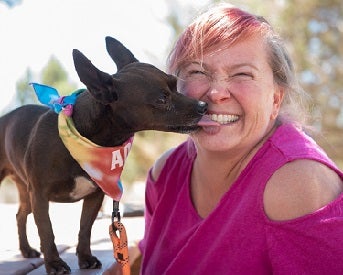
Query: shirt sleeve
x,y
312,244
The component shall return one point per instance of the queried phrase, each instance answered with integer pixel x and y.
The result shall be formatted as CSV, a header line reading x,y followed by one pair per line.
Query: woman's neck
x,y
214,173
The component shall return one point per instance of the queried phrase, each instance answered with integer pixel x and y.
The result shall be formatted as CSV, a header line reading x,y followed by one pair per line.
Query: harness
x,y
103,164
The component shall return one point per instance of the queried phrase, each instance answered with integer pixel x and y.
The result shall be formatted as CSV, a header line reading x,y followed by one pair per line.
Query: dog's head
x,y
139,95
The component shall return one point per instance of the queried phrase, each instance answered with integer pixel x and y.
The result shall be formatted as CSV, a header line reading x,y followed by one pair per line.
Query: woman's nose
x,y
218,91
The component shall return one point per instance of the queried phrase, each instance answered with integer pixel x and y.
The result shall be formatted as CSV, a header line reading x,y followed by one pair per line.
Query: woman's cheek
x,y
184,88
190,90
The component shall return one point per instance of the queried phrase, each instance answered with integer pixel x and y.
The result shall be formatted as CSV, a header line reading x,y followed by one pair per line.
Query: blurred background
x,y
37,38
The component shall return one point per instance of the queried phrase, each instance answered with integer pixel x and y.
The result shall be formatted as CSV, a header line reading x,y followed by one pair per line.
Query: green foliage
x,y
24,93
54,75
315,40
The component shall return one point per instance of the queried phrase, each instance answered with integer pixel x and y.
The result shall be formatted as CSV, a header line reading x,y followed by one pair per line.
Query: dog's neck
x,y
93,123
103,164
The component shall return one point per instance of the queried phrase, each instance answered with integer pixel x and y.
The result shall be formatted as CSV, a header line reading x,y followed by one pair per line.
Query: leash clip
x,y
116,211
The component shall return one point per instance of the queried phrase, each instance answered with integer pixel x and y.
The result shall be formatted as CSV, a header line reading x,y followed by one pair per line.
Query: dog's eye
x,y
163,99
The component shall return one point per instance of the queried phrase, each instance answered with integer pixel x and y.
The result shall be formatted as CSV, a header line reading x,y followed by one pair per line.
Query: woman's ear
x,y
278,98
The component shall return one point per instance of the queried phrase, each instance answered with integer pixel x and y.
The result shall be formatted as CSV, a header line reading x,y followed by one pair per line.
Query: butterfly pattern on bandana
x,y
103,164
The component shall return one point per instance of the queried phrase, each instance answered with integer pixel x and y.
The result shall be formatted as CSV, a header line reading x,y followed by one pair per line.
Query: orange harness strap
x,y
120,249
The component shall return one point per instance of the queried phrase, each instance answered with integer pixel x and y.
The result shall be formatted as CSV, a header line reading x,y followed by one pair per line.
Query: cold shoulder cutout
x,y
300,187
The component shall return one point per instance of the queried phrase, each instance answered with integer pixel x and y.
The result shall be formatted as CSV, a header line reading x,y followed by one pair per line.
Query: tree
x,y
24,93
54,75
315,37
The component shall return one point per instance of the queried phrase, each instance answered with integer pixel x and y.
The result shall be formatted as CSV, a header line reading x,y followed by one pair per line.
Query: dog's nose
x,y
202,107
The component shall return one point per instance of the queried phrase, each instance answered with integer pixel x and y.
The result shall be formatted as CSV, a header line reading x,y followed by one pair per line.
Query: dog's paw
x,y
30,253
89,262
57,267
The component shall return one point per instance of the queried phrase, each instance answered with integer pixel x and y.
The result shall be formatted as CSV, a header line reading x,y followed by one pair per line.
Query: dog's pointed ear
x,y
100,84
120,55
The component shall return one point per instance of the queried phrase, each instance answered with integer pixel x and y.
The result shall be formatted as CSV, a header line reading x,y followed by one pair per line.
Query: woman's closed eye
x,y
193,75
242,75
196,72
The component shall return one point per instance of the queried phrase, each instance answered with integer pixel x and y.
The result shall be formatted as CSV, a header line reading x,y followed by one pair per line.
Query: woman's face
x,y
237,83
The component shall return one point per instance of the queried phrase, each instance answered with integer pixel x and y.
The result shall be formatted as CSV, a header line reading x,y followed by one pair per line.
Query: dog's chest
x,y
83,187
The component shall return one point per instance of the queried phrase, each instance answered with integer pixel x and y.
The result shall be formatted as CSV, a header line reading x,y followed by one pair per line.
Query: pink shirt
x,y
237,237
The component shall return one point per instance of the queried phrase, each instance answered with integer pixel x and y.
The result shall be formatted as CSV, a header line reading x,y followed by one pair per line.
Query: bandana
x,y
103,164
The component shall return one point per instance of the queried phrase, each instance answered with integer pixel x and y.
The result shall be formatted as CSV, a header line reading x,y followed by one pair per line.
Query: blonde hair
x,y
225,24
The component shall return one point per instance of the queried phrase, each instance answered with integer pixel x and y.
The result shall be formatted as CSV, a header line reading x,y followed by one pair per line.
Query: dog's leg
x,y
90,208
24,210
40,208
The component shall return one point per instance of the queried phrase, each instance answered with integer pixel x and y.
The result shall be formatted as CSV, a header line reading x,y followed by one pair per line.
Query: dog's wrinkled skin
x,y
114,107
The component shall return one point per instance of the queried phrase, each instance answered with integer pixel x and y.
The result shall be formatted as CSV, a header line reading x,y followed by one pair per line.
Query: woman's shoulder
x,y
159,164
178,154
300,187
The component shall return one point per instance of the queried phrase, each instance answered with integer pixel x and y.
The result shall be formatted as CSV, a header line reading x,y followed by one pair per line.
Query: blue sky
x,y
35,30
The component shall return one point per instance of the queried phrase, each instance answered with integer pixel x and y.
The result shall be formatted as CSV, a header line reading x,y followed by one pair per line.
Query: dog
x,y
137,97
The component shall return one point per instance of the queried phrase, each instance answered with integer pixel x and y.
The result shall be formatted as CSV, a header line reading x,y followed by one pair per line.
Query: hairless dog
x,y
112,108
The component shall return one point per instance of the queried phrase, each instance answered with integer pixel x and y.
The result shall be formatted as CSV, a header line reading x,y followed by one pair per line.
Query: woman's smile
x,y
224,119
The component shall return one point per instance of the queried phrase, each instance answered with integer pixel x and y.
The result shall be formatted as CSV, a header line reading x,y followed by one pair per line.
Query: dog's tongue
x,y
207,122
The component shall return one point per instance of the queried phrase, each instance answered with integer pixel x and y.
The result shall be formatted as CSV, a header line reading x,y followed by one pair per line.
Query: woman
x,y
249,192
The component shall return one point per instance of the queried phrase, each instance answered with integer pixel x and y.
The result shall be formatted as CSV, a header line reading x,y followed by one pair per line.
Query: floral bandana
x,y
103,164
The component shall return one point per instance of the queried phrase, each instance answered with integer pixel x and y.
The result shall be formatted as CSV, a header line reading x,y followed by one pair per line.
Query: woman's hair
x,y
222,26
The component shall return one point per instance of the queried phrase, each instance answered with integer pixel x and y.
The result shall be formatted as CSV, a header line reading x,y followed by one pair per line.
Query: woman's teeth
x,y
224,119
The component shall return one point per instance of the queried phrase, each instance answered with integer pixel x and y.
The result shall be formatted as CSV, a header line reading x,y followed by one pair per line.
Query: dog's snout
x,y
202,107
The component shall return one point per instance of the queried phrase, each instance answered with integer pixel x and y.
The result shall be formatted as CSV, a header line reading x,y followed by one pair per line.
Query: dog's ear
x,y
120,55
99,84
